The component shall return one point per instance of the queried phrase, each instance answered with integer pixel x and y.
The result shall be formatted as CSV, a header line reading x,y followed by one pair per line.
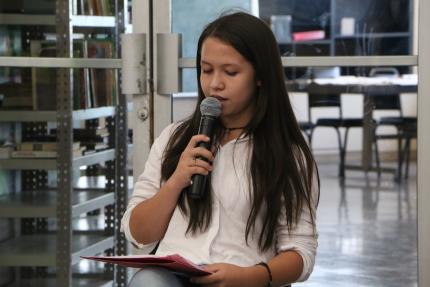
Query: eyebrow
x,y
224,65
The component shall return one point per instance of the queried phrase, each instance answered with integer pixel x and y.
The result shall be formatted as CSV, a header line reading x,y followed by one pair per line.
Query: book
x,y
102,81
84,135
309,35
81,78
44,91
37,146
44,153
174,262
43,146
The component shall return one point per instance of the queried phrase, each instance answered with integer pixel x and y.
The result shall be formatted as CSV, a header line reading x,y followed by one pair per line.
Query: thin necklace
x,y
234,128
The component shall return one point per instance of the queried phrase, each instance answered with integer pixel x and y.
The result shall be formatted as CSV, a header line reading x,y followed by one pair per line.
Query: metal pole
x,y
423,158
64,143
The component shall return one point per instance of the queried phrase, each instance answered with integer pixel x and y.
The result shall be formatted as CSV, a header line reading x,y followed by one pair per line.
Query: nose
x,y
217,82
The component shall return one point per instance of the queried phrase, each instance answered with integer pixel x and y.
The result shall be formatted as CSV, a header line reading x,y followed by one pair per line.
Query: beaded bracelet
x,y
265,265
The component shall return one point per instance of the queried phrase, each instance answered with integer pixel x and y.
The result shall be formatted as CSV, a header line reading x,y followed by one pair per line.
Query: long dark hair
x,y
282,165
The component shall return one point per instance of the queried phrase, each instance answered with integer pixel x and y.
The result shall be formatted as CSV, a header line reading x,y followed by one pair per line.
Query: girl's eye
x,y
231,73
206,71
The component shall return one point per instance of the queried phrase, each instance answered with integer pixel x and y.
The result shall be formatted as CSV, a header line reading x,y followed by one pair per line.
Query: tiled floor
x,y
367,231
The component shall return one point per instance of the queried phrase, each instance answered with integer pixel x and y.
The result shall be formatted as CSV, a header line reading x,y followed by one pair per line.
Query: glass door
x,y
330,43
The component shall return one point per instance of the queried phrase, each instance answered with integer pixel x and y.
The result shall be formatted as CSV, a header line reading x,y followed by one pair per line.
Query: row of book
x,y
84,142
91,87
94,7
43,150
37,150
80,7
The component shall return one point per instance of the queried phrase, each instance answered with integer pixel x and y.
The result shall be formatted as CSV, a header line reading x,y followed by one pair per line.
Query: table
x,y
378,86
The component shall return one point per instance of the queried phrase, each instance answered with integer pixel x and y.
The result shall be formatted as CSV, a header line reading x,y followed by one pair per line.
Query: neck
x,y
231,133
233,125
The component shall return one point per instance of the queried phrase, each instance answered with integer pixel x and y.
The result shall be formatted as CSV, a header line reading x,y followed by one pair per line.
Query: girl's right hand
x,y
190,163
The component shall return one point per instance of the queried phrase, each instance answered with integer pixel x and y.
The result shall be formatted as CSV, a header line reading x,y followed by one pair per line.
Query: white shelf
x,y
51,116
40,249
51,163
49,20
42,203
27,19
93,21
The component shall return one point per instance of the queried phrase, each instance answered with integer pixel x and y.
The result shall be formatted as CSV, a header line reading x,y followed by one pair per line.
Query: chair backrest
x,y
384,72
316,100
385,102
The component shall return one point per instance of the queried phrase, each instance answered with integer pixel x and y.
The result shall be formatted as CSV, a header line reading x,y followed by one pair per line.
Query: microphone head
x,y
210,106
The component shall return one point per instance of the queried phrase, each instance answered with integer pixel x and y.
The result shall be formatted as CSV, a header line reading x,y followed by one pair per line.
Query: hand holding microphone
x,y
191,162
195,162
210,109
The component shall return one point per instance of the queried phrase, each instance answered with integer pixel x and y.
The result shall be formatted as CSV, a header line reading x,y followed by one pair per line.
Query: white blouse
x,y
224,241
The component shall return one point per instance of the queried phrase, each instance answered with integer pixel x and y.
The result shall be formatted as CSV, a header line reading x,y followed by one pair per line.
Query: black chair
x,y
307,128
409,133
332,101
390,102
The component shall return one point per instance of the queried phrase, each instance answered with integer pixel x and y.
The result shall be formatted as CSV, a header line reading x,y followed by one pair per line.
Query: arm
x,y
150,218
285,267
149,222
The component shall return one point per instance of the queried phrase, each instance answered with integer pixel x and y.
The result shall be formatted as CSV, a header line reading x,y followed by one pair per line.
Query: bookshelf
x,y
44,242
378,27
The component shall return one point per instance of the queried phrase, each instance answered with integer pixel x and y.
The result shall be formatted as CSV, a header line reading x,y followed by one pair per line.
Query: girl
x,y
255,224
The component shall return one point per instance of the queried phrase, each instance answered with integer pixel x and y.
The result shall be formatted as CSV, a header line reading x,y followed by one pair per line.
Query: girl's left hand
x,y
224,275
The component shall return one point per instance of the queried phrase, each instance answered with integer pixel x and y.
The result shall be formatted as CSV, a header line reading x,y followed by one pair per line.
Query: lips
x,y
219,98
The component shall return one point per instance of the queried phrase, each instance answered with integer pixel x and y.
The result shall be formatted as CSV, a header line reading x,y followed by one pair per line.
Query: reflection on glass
x,y
330,107
342,27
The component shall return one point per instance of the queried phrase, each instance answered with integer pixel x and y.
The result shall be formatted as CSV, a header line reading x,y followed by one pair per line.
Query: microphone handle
x,y
198,186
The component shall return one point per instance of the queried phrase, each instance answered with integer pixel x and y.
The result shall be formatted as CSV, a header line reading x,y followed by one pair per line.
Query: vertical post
x,y
423,158
121,188
162,103
64,145
140,117
121,172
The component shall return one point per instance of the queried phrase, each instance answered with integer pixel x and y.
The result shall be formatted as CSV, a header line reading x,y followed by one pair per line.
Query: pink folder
x,y
174,262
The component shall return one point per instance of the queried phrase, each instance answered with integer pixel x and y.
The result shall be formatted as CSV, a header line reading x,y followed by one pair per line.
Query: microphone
x,y
210,108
